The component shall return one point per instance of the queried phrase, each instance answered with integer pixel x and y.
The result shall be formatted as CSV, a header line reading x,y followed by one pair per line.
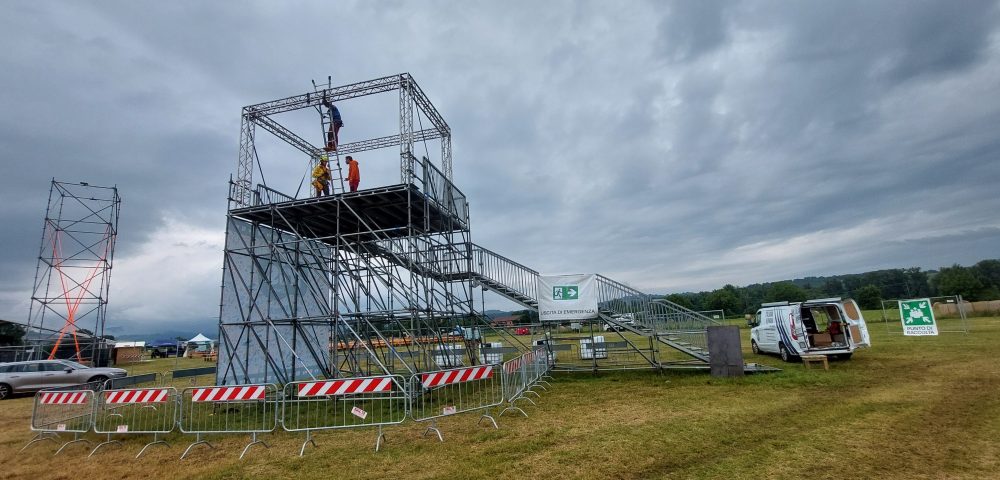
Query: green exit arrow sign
x,y
566,292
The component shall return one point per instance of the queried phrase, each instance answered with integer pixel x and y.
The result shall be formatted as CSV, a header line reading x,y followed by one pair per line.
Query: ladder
x,y
336,171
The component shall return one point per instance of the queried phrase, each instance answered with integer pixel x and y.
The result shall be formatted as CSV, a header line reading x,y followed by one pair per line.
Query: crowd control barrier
x,y
309,406
61,411
132,381
193,374
520,374
248,409
135,411
447,392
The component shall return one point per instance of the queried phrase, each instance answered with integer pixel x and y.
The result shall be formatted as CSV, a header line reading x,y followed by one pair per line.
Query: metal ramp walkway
x,y
663,321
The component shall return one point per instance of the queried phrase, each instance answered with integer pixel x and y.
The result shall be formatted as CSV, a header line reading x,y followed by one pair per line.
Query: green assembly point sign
x,y
917,317
565,292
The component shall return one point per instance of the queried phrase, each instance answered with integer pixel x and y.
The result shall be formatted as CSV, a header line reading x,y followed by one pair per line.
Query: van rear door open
x,y
856,324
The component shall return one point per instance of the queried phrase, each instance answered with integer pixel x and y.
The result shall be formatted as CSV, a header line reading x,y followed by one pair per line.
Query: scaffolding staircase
x,y
667,323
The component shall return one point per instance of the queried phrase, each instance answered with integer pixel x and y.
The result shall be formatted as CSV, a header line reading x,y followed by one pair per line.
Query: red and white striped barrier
x,y
345,386
229,394
140,395
458,375
64,398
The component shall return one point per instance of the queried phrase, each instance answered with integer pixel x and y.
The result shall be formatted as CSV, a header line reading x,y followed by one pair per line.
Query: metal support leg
x,y
197,441
433,428
309,440
379,439
490,417
76,439
525,399
533,392
40,437
98,447
511,407
253,441
156,441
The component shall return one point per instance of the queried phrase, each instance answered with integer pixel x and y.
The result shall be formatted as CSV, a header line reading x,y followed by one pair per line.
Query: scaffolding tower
x,y
354,283
69,298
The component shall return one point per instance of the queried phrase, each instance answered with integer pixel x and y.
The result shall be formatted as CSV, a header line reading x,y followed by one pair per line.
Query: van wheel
x,y
754,347
786,356
844,356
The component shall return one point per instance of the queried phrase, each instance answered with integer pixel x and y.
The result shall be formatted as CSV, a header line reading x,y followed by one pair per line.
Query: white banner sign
x,y
566,297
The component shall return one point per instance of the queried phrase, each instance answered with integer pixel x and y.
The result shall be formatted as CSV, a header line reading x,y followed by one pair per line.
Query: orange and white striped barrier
x,y
458,375
252,409
131,411
62,411
138,395
228,394
310,406
345,386
64,398
453,391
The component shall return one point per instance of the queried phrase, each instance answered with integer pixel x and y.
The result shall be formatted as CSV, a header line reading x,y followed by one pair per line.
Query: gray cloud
x,y
672,146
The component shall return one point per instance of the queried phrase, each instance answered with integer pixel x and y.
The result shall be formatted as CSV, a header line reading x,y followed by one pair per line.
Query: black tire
x,y
844,356
98,378
754,347
786,356
5,391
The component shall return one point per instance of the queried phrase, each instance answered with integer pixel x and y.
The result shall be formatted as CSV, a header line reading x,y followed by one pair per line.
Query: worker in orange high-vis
x,y
353,174
321,177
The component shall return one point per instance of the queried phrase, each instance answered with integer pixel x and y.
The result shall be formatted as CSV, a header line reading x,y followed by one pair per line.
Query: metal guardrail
x,y
62,411
233,409
452,391
135,411
310,406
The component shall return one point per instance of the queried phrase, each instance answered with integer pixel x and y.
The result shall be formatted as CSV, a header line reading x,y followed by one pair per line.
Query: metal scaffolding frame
x,y
73,273
355,283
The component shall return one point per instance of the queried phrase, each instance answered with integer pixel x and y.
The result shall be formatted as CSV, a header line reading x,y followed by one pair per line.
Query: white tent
x,y
199,338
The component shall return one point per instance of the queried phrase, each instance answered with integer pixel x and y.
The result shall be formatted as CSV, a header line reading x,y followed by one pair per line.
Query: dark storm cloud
x,y
672,146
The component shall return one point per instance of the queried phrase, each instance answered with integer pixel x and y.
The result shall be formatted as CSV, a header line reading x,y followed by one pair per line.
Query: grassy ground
x,y
908,408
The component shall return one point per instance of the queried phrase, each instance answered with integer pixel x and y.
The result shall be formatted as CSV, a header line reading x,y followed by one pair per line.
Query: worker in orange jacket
x,y
353,174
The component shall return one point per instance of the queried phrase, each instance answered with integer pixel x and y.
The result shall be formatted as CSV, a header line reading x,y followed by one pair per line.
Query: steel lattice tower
x,y
73,274
355,283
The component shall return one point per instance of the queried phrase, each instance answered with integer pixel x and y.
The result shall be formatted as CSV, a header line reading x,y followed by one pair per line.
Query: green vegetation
x,y
978,282
908,408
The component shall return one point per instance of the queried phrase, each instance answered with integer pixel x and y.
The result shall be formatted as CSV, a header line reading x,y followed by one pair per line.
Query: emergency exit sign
x,y
565,292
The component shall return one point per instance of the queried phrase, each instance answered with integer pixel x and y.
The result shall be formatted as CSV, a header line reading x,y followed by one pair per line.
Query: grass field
x,y
908,408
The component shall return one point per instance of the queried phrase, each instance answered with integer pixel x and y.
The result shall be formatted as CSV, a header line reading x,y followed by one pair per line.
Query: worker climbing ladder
x,y
326,127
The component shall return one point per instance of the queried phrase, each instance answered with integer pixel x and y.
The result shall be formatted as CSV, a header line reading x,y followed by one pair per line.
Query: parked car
x,y
19,377
827,326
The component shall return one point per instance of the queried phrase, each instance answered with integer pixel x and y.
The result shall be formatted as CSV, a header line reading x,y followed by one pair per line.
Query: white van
x,y
826,326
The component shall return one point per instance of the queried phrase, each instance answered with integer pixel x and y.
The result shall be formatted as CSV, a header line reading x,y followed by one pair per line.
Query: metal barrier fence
x,y
136,411
521,373
192,373
448,392
248,409
133,380
309,406
59,411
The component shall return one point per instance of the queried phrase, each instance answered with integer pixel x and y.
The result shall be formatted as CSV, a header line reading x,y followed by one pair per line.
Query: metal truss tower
x,y
73,275
353,283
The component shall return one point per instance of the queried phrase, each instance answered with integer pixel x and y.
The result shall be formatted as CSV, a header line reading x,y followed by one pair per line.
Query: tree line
x,y
978,282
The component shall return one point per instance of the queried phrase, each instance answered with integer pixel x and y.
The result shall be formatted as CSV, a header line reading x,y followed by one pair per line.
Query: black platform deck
x,y
366,215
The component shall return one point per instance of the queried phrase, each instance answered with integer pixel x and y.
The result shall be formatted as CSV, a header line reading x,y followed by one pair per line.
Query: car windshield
x,y
74,365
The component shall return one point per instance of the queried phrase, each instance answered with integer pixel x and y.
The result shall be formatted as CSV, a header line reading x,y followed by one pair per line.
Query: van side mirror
x,y
68,369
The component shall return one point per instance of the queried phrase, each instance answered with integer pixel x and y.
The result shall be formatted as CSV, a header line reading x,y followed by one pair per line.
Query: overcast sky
x,y
673,146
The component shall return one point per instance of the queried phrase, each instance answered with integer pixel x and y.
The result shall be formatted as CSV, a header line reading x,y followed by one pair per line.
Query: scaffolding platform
x,y
366,215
